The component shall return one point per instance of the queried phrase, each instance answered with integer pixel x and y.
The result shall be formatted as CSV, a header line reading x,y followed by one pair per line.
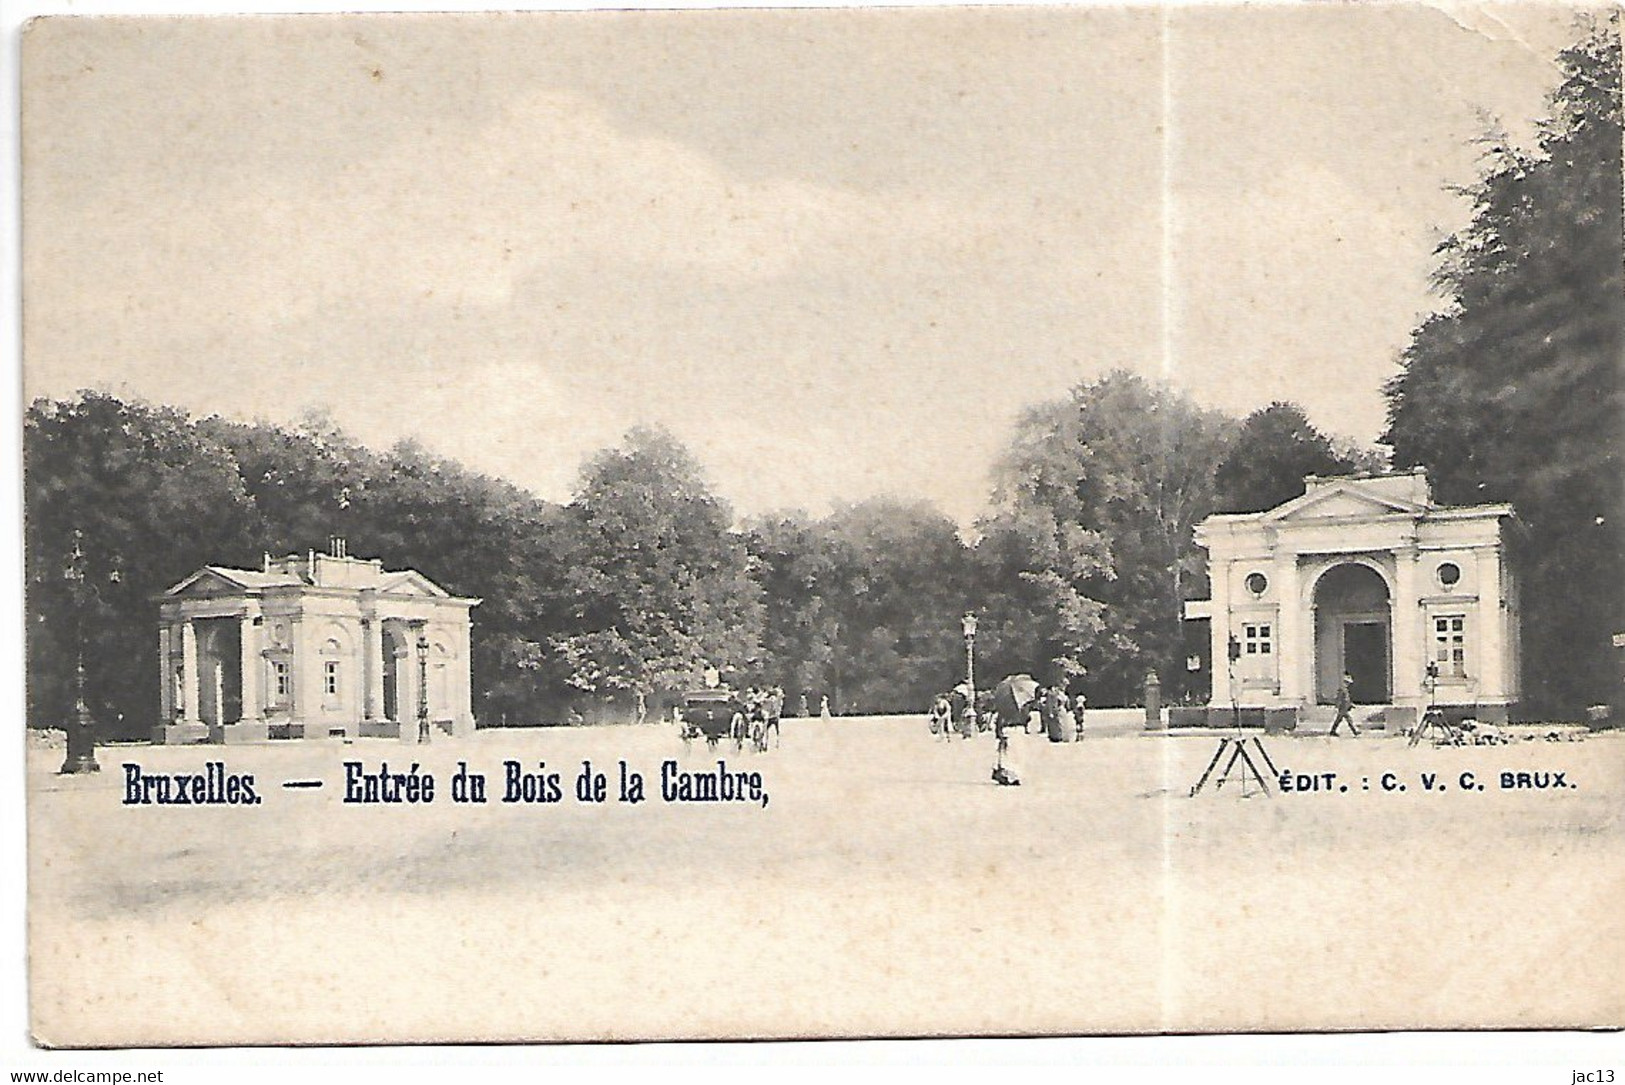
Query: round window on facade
x,y
1257,583
1449,575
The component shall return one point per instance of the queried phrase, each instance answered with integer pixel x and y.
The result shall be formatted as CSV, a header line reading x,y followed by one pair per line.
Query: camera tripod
x,y
1241,765
1434,723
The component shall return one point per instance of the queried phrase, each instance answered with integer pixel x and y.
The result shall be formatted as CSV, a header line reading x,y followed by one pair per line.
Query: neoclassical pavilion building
x,y
323,645
1363,575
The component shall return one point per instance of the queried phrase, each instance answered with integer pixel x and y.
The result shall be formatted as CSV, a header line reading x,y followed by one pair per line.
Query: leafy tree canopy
x,y
1514,391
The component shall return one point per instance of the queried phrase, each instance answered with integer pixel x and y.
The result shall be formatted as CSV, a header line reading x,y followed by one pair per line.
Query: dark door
x,y
391,705
1365,658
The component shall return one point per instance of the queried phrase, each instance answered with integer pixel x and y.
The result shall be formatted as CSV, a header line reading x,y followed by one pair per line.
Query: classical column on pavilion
x,y
1405,615
463,702
296,699
250,664
1492,684
372,668
166,669
1292,663
1219,629
190,693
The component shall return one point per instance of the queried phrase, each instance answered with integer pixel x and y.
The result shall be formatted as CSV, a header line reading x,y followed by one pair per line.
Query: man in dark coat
x,y
1345,705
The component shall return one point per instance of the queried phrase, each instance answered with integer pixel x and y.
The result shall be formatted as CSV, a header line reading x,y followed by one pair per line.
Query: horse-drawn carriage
x,y
716,714
713,714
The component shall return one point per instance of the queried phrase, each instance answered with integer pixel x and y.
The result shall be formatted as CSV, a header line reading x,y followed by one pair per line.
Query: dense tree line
x,y
1516,390
644,579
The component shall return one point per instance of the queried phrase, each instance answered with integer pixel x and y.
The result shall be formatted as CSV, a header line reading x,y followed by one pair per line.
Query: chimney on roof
x,y
267,555
336,546
310,566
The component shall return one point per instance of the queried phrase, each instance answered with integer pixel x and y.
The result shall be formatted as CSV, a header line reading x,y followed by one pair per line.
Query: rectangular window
x,y
1255,639
279,679
332,679
1450,645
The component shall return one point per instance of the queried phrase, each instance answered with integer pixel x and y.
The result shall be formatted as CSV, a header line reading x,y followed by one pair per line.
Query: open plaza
x,y
885,887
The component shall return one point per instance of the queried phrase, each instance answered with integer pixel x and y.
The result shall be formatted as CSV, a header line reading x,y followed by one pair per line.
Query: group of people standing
x,y
1060,716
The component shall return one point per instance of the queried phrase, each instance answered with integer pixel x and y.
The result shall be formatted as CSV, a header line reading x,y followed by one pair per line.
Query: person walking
x,y
823,708
1345,705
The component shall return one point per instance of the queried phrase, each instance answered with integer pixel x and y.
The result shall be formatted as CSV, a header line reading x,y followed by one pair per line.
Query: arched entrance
x,y
1353,634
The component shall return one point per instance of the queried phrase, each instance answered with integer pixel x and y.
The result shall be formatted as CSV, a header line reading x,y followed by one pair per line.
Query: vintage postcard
x,y
823,523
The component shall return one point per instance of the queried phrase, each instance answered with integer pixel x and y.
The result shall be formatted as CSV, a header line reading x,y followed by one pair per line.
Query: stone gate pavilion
x,y
319,646
1363,575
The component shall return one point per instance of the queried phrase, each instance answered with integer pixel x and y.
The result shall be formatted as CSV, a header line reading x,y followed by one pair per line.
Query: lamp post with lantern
x,y
423,684
81,729
968,626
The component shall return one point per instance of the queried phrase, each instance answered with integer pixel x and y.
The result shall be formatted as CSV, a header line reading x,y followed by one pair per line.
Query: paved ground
x,y
886,888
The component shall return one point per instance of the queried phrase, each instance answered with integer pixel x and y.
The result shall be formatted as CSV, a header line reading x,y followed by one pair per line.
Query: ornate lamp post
x,y
968,625
423,685
80,729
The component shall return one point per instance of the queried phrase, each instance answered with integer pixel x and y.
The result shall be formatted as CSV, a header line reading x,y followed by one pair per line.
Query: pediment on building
x,y
214,580
1340,502
206,583
411,582
203,584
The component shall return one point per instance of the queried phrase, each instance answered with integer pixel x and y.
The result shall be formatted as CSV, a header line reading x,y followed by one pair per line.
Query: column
x,y
166,679
191,694
1219,631
296,668
1410,645
308,678
406,698
1491,667
372,667
464,664
406,684
250,663
1289,641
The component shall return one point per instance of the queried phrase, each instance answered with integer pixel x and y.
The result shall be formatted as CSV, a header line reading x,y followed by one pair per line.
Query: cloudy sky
x,y
835,251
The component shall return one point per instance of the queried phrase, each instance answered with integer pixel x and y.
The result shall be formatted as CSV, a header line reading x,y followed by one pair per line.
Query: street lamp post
x,y
423,685
80,729
968,625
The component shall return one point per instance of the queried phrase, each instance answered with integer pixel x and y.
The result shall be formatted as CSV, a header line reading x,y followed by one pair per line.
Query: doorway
x,y
1353,628
392,649
1365,659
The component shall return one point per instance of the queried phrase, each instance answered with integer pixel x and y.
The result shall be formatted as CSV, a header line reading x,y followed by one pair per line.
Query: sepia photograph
x,y
822,523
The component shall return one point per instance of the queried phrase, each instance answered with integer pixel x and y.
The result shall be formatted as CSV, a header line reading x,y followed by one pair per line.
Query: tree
x,y
1514,391
1274,450
905,590
147,499
804,572
656,583
1131,463
1035,616
306,483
